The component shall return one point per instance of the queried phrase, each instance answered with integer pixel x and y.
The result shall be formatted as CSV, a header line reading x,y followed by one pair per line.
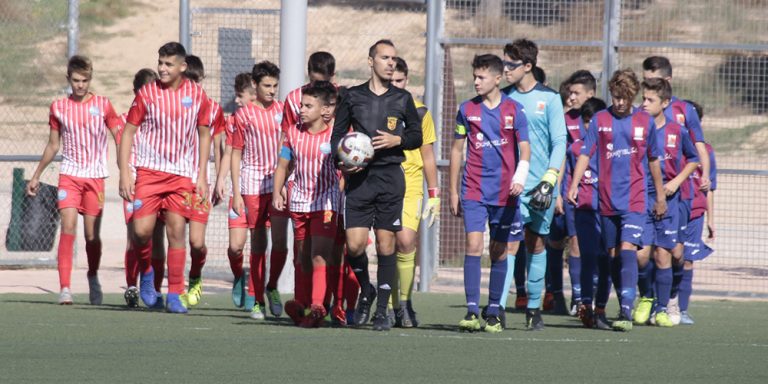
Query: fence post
x,y
184,36
611,34
293,44
73,27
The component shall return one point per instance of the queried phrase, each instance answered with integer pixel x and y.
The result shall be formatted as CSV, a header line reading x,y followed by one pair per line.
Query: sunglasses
x,y
511,66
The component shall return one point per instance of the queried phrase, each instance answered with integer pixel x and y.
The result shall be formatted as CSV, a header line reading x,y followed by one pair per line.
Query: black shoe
x,y
601,321
402,317
363,309
411,313
559,307
533,320
381,322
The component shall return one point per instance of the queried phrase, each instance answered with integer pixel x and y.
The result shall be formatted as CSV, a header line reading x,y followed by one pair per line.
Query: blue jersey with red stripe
x,y
587,199
699,204
678,151
685,114
574,125
492,148
623,146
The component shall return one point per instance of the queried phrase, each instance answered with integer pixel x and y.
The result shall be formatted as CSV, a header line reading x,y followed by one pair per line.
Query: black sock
x,y
359,266
386,277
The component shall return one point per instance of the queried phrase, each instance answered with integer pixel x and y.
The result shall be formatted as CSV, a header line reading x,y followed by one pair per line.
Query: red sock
x,y
276,264
177,258
235,262
318,284
131,267
258,262
66,248
93,251
198,261
351,287
332,295
158,265
143,256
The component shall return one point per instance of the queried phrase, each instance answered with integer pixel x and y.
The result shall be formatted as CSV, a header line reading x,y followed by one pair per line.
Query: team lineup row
x,y
525,154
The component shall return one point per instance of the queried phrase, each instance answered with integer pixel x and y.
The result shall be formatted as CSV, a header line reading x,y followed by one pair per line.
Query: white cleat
x,y
95,296
65,297
673,310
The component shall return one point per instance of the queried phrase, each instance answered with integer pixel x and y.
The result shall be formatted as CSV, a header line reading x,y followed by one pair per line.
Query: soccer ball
x,y
355,149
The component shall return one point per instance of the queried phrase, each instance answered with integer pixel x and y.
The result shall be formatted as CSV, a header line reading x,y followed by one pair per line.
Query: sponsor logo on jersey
x,y
639,133
391,123
609,146
509,122
620,153
186,101
325,148
492,143
671,141
572,127
94,111
680,118
605,129
474,118
479,136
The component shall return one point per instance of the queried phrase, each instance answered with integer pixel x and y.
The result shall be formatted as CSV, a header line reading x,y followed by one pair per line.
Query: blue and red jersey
x,y
492,148
699,204
574,125
587,199
623,146
685,114
678,151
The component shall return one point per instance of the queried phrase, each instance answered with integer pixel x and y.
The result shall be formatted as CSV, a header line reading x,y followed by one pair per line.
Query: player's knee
x,y
406,246
474,247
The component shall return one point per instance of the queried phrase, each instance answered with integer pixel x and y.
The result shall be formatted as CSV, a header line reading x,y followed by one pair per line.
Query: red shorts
x,y
84,194
199,209
159,191
128,213
319,223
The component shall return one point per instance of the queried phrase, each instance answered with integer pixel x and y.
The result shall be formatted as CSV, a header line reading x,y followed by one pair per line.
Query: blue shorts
x,y
589,232
684,217
667,229
695,248
504,223
626,227
563,226
536,221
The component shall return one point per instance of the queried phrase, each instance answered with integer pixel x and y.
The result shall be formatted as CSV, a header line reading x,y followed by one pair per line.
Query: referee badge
x,y
391,123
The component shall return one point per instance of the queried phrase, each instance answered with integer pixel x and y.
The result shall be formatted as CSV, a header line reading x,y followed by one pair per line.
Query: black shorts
x,y
374,197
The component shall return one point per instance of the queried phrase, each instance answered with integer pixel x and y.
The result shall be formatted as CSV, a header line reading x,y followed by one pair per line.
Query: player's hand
x,y
541,195
710,231
455,206
705,183
515,189
385,140
127,187
348,170
670,188
432,210
238,205
573,194
201,188
278,201
219,193
33,185
559,209
660,208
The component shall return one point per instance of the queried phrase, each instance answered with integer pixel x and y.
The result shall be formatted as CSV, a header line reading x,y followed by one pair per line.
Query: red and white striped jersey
x,y
132,156
218,126
83,128
230,129
316,181
168,138
292,108
258,136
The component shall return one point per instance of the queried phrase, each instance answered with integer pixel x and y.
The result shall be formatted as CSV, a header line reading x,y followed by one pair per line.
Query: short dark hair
x,y
264,69
195,69
698,107
401,66
658,63
583,77
590,107
322,90
490,61
660,86
372,49
243,82
624,84
522,49
322,63
539,74
80,64
142,77
172,49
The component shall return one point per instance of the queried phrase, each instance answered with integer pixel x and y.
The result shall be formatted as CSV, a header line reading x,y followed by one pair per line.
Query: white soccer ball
x,y
355,149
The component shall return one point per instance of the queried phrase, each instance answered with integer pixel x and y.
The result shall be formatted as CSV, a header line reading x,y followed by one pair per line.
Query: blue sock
x,y
555,269
616,274
677,278
537,267
574,271
508,279
645,280
520,269
603,290
663,288
686,289
628,281
496,285
472,283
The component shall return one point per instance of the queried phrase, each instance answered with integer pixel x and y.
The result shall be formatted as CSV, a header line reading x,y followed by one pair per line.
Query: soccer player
x,y
254,156
79,123
546,126
677,164
171,148
197,223
494,176
374,195
418,164
624,141
315,194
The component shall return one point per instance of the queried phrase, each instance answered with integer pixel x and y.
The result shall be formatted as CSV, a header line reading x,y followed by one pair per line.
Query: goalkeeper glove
x,y
541,195
432,210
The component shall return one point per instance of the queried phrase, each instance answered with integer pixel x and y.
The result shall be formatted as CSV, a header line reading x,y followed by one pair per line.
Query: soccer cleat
x,y
363,309
642,312
601,321
558,304
275,304
521,302
338,318
493,325
411,313
295,311
663,320
391,317
548,302
249,302
95,296
673,310
470,323
131,296
402,317
575,304
533,320
238,291
174,305
258,312
586,315
622,324
159,305
65,296
381,321
195,292
685,318
147,288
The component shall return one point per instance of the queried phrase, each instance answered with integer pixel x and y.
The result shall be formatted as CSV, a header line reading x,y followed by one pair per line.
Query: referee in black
x,y
374,195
